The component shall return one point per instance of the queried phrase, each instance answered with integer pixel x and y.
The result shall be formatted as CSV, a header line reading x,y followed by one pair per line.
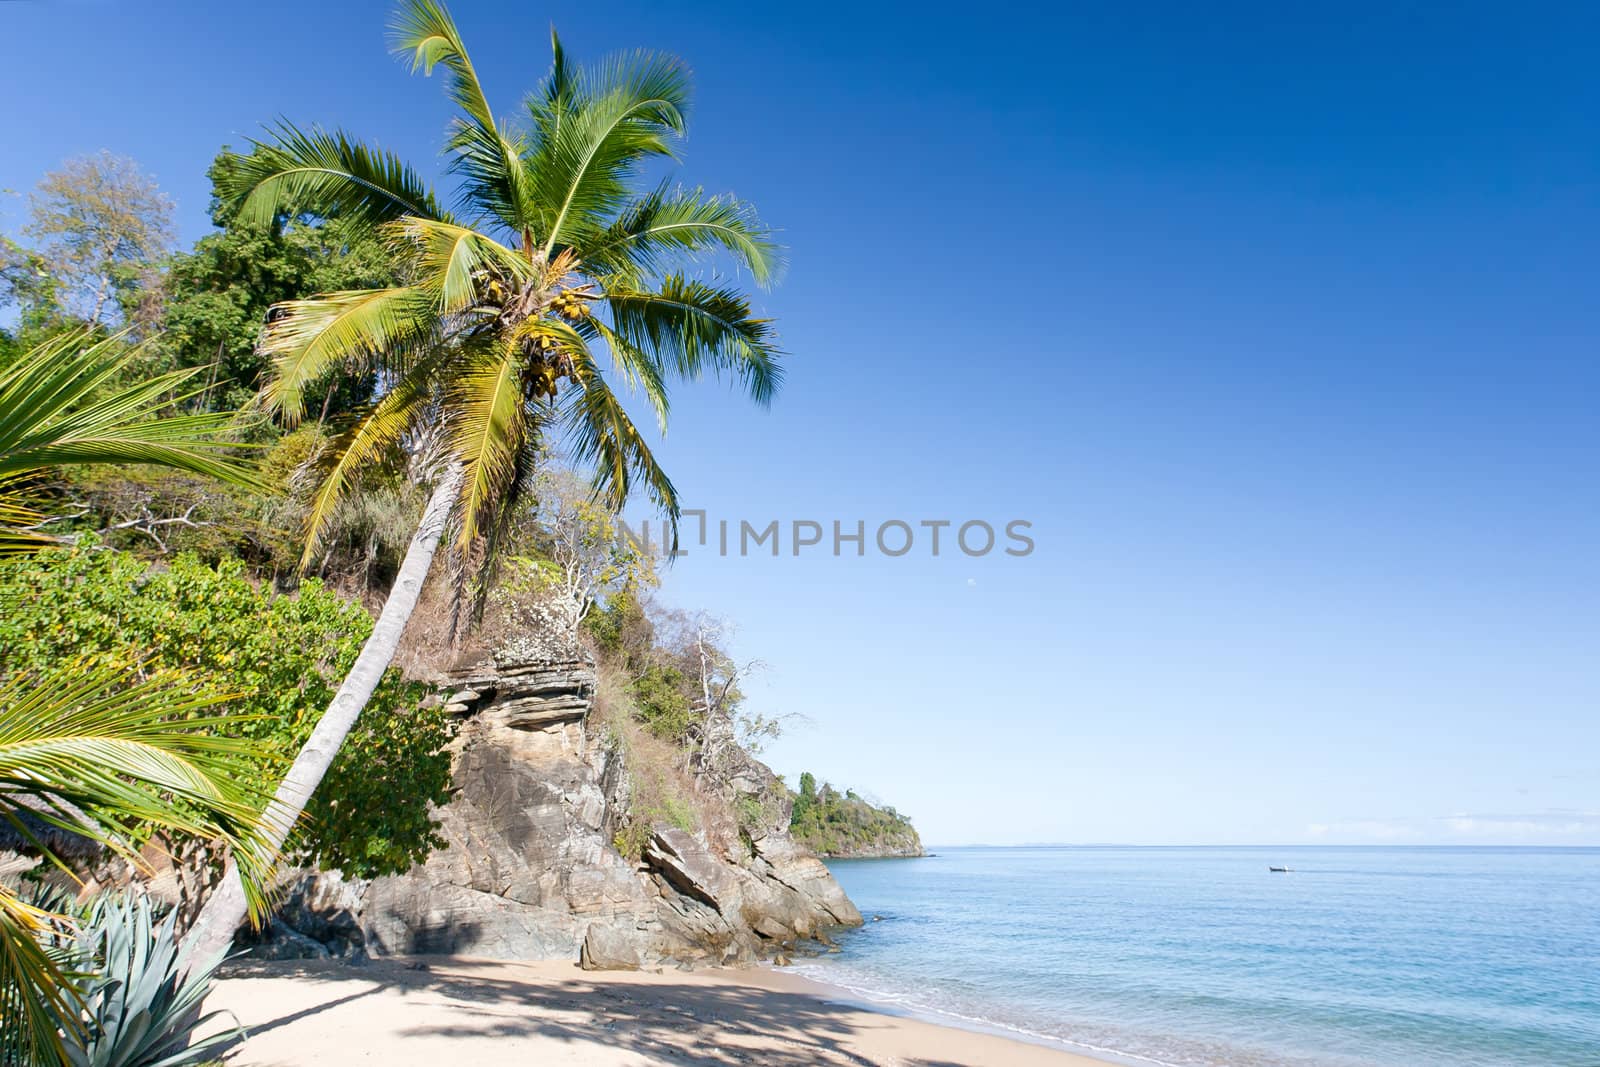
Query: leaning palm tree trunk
x,y
225,911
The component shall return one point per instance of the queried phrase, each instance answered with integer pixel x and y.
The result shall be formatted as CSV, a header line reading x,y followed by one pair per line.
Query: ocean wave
x,y
880,997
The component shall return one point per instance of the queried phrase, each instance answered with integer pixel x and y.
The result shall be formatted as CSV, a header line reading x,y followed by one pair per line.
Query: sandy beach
x,y
485,1013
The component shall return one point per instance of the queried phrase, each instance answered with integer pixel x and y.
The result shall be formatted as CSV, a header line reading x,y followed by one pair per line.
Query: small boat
x,y
1280,870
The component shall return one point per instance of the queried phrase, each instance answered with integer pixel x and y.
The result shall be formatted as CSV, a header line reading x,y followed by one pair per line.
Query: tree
x,y
806,799
567,551
490,345
721,723
98,222
27,284
216,297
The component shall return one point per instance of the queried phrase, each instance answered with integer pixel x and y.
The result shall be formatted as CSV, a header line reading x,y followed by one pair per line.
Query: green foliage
x,y
560,263
121,760
661,692
141,998
659,790
655,801
831,824
28,284
631,837
654,805
663,697
53,413
749,811
283,655
216,297
619,628
662,668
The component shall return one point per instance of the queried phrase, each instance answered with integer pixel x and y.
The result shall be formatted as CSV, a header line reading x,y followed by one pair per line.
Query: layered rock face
x,y
530,871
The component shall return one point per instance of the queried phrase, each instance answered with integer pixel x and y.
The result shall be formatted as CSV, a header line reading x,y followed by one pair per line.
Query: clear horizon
x,y
1278,327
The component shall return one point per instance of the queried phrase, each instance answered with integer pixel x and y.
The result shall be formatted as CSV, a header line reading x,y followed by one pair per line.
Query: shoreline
x,y
424,1011
866,1000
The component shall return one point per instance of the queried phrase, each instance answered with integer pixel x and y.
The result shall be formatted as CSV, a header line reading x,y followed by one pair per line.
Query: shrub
x,y
282,655
660,791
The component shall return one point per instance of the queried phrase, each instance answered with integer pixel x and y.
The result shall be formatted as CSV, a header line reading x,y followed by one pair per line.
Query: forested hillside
x,y
843,825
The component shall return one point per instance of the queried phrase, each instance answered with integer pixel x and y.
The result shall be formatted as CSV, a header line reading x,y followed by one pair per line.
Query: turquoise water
x,y
1361,957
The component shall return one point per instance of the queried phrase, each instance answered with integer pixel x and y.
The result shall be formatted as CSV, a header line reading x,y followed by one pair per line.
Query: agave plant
x,y
84,754
58,408
142,997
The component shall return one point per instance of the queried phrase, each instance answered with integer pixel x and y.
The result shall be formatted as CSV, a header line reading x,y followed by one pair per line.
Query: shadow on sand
x,y
669,1022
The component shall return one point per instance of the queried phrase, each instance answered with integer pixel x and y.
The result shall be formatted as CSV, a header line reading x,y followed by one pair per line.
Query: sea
x,y
1202,957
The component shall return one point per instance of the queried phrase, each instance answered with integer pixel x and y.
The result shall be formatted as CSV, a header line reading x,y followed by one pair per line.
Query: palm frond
x,y
492,427
599,432
83,750
488,155
426,31
377,429
456,261
19,523
51,415
38,1001
640,370
659,230
693,327
353,329
102,758
325,173
592,139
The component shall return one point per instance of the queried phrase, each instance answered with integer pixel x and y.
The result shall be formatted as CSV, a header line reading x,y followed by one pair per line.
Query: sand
x,y
480,1013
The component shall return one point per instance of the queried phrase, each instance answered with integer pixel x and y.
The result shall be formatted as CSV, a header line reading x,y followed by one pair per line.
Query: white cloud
x,y
1557,823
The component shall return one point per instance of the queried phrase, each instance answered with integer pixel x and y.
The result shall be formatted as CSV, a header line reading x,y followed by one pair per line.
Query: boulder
x,y
280,942
686,863
607,948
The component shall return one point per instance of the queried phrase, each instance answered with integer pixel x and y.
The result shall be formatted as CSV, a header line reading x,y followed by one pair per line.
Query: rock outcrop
x,y
531,870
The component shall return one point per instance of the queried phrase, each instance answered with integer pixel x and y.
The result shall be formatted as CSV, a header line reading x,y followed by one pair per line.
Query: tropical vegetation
x,y
87,756
489,348
213,462
280,656
56,411
831,823
90,750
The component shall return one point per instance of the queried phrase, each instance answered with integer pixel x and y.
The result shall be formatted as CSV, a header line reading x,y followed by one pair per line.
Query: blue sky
x,y
1279,327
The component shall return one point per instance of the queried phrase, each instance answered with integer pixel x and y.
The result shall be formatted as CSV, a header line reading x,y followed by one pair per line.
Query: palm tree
x,y
490,347
87,758
58,408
